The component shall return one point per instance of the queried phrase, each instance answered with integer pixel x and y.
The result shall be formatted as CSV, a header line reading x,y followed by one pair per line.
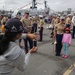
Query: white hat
x,y
40,15
62,17
59,15
69,15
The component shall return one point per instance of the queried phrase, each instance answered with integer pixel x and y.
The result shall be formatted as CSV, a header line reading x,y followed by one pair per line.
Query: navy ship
x,y
33,10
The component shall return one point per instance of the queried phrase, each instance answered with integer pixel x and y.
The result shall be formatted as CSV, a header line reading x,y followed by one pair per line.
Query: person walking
x,y
34,23
66,42
41,23
27,26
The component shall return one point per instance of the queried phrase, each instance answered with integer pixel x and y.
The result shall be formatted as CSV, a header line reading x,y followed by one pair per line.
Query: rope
x,y
25,5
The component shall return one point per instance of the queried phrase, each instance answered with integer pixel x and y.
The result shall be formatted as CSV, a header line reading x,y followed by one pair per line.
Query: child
x,y
66,42
11,55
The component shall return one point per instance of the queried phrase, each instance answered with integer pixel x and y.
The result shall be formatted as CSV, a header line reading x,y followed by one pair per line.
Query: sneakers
x,y
64,56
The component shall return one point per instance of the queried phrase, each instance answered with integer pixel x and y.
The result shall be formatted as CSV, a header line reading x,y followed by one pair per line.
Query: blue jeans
x,y
26,44
65,46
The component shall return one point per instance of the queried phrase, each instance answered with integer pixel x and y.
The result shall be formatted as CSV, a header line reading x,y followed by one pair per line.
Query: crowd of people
x,y
17,29
63,32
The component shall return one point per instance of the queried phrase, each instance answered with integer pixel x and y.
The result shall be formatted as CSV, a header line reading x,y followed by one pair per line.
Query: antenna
x,y
33,4
45,2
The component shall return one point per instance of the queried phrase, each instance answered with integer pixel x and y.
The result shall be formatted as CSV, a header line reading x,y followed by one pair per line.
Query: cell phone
x,y
35,43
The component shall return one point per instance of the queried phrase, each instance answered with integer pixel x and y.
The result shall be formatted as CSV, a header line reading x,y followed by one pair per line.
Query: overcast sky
x,y
57,5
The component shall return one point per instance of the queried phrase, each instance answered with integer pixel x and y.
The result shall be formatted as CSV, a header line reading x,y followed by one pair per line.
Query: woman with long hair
x,y
11,55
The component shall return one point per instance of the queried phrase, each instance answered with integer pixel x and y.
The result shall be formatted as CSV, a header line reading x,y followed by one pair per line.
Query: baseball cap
x,y
67,29
13,25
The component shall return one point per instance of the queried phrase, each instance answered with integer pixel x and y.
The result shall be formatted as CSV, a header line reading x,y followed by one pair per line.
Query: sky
x,y
56,5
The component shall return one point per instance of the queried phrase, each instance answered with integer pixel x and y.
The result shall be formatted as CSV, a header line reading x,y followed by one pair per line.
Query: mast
x,y
47,8
33,4
45,2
